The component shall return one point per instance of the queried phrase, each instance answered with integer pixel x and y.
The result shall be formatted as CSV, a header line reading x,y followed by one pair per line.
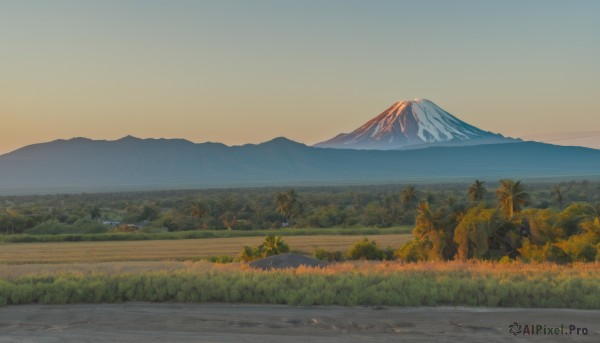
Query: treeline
x,y
260,209
197,234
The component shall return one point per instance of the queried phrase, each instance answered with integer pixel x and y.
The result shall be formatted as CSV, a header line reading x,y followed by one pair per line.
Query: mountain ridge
x,y
165,163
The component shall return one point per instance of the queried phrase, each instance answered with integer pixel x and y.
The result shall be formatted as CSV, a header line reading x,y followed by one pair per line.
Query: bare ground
x,y
166,322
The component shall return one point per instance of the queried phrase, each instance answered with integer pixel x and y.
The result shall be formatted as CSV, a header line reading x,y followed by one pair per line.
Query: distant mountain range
x,y
82,164
413,124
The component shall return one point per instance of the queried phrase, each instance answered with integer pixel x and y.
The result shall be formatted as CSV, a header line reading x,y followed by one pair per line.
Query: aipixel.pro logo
x,y
517,329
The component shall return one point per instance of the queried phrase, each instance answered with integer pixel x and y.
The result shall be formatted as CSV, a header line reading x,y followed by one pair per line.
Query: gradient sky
x,y
247,71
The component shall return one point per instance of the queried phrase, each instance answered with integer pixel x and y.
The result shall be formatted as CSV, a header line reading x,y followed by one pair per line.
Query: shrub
x,y
248,253
412,251
124,228
220,259
329,256
550,252
366,250
579,248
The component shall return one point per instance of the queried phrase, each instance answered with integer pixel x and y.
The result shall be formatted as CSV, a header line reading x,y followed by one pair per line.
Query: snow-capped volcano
x,y
412,124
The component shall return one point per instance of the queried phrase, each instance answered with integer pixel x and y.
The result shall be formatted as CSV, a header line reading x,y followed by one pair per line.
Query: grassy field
x,y
346,284
171,270
188,249
199,234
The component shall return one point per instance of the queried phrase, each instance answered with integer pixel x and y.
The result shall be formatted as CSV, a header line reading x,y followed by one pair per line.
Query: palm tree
x,y
425,221
283,205
273,245
426,228
408,197
512,196
477,191
287,203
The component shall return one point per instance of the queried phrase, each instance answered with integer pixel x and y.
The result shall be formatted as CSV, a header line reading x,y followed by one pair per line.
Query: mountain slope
x,y
82,164
411,124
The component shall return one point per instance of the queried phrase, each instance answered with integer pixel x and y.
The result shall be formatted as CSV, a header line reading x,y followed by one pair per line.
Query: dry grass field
x,y
169,271
189,249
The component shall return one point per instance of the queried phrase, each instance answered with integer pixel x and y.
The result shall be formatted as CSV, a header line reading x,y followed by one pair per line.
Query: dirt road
x,y
163,322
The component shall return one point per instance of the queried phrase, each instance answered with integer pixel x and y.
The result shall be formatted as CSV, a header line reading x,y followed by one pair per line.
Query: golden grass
x,y
482,268
160,250
489,284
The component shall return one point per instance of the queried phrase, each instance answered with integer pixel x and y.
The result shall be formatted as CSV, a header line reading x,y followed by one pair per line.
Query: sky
x,y
247,71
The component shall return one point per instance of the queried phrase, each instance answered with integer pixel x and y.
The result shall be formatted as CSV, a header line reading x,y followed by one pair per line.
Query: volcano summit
x,y
413,124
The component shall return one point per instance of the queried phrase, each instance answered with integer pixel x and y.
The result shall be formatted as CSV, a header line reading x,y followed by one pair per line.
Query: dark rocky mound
x,y
286,261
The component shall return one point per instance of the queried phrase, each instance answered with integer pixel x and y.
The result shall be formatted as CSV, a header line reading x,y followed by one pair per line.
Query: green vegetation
x,y
329,256
506,230
248,209
363,249
384,283
272,245
512,197
368,250
471,246
477,191
534,222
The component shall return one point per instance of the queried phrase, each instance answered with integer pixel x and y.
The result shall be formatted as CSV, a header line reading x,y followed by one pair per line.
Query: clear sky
x,y
247,71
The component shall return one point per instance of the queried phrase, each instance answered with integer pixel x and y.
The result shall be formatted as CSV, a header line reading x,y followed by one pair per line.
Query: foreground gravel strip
x,y
166,322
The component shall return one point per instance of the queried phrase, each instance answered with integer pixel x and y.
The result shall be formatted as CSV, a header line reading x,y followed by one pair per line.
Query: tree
x,y
199,211
95,213
571,217
426,229
273,245
287,204
366,250
409,198
229,219
149,212
543,226
477,191
476,231
512,197
374,215
13,221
